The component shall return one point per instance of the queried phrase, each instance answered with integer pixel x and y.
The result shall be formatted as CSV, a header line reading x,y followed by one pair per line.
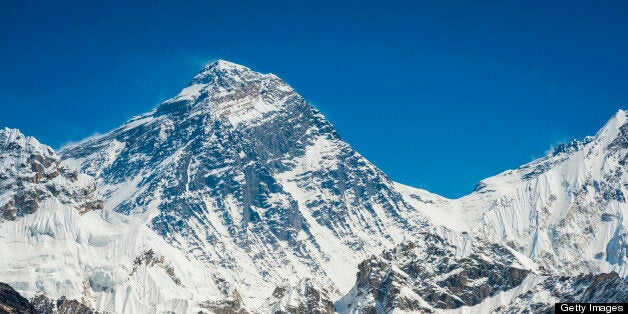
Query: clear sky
x,y
438,94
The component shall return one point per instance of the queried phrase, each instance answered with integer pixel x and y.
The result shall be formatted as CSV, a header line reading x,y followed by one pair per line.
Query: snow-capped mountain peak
x,y
225,70
614,127
239,171
31,176
232,92
221,67
13,139
567,210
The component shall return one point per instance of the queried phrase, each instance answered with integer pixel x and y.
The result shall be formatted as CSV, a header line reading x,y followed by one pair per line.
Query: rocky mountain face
x,y
12,302
304,297
237,196
239,171
437,270
31,173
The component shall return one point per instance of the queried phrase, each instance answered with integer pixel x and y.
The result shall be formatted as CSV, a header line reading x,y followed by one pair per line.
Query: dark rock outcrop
x,y
12,302
435,272
230,305
305,297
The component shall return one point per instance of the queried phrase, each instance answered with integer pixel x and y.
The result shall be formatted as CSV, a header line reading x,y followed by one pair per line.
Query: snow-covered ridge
x,y
565,204
566,211
56,242
563,215
31,173
236,195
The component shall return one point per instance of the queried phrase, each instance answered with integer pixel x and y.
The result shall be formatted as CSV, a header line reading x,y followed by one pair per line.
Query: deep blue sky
x,y
439,95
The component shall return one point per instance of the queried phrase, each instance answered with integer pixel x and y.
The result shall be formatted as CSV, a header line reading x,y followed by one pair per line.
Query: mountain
x,y
60,249
239,171
237,196
566,211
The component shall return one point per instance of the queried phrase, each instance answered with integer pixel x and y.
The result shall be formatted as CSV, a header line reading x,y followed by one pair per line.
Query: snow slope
x,y
61,248
566,211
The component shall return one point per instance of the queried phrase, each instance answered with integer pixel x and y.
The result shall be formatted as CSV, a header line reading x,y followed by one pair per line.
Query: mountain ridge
x,y
240,179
